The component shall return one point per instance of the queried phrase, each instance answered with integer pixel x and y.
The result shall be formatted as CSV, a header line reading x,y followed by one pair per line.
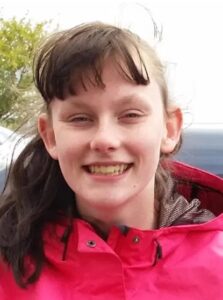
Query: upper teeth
x,y
114,170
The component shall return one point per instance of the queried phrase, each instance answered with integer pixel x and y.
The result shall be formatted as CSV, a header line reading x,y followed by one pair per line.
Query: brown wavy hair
x,y
36,192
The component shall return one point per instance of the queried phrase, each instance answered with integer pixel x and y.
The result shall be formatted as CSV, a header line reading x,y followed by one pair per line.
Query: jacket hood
x,y
191,183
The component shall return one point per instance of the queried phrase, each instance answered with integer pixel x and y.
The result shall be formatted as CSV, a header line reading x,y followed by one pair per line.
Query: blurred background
x,y
187,36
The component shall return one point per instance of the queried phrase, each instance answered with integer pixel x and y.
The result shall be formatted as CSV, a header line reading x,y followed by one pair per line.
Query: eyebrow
x,y
130,99
123,101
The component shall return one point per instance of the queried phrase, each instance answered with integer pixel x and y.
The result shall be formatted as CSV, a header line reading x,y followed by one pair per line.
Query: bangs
x,y
78,56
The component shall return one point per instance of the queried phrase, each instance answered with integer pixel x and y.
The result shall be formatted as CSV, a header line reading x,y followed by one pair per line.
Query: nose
x,y
105,139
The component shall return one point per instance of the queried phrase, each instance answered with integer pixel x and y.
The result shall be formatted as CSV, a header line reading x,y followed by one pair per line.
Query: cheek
x,y
68,141
146,141
68,151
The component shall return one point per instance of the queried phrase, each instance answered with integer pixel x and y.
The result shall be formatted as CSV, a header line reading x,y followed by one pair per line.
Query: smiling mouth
x,y
108,170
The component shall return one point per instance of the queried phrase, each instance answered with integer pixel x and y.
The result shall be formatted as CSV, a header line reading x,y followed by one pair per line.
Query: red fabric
x,y
178,262
192,183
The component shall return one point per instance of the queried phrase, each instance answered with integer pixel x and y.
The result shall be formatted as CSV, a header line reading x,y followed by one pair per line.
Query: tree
x,y
18,40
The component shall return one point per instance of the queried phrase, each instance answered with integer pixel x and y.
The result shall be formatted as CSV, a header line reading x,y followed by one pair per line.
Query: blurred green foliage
x,y
18,41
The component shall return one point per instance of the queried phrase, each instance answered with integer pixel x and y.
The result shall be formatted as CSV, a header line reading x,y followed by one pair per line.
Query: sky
x,y
191,46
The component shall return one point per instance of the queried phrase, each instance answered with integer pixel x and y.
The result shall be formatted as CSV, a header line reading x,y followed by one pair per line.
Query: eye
x,y
131,116
80,119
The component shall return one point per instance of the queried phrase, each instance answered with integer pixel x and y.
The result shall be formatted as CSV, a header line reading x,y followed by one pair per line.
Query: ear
x,y
45,128
174,122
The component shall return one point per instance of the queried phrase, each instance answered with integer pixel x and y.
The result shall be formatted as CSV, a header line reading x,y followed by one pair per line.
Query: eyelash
x,y
132,115
84,119
80,119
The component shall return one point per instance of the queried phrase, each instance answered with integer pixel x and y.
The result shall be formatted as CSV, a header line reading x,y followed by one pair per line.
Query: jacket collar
x,y
178,211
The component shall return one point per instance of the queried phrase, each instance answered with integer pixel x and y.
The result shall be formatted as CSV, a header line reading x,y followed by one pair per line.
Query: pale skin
x,y
123,125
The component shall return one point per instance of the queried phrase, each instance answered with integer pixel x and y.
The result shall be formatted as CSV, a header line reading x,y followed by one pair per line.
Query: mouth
x,y
108,170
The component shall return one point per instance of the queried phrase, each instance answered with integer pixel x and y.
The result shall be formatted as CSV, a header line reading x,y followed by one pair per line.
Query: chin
x,y
107,202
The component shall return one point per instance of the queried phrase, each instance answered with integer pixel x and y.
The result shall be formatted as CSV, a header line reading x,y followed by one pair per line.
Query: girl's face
x,y
108,141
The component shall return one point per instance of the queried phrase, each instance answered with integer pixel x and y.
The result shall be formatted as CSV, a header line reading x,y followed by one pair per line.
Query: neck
x,y
137,213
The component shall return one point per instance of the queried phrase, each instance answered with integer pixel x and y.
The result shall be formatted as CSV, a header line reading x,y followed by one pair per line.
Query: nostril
x,y
105,142
102,145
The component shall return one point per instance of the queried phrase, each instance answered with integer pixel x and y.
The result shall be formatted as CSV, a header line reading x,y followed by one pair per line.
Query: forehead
x,y
114,80
117,91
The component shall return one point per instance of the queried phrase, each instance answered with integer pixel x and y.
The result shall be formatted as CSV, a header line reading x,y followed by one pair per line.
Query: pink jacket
x,y
179,262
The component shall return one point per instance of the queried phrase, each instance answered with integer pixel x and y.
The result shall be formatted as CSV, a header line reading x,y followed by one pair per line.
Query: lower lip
x,y
101,177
